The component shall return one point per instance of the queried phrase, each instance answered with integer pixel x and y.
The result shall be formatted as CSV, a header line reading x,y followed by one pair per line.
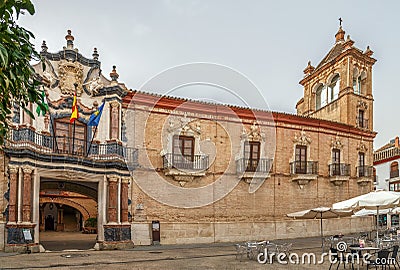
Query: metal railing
x,y
339,169
365,171
195,162
304,167
27,138
255,165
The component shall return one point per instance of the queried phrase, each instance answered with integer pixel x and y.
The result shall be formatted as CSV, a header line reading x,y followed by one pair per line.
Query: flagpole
x,y
73,136
90,145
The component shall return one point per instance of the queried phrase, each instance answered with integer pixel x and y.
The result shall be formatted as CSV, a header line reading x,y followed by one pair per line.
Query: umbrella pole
x,y
322,233
377,226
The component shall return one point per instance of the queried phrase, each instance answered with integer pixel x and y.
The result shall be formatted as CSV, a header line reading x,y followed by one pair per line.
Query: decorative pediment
x,y
70,74
361,147
254,134
362,105
302,138
184,127
336,143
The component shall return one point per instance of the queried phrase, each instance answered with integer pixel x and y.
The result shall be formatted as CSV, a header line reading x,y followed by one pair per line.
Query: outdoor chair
x,y
337,257
393,257
381,259
352,252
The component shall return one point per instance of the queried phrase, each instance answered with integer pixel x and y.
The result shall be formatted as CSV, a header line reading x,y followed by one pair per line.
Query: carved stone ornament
x,y
302,139
362,105
70,73
361,147
254,134
336,143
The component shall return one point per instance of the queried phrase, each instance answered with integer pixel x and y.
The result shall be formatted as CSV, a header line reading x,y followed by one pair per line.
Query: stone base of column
x,y
16,240
116,236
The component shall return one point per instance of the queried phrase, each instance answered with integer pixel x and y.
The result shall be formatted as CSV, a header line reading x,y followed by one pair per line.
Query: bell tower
x,y
339,88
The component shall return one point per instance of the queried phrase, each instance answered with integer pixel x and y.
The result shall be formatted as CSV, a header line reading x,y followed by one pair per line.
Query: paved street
x,y
205,256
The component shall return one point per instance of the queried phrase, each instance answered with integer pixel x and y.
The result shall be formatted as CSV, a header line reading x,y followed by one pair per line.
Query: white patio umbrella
x,y
320,213
371,201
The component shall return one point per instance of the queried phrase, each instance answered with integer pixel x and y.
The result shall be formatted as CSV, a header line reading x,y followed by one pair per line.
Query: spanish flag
x,y
74,114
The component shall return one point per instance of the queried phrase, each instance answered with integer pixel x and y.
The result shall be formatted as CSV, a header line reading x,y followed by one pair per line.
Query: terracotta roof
x,y
332,54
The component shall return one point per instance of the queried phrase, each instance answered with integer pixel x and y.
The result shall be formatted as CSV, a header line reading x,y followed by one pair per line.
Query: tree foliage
x,y
19,83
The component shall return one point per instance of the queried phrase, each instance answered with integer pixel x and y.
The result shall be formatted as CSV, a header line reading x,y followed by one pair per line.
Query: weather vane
x,y
340,21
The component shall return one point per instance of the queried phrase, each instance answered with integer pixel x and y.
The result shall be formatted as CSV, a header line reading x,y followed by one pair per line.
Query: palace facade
x,y
172,170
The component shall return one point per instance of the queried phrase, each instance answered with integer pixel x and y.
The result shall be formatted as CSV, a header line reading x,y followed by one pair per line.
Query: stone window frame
x,y
359,79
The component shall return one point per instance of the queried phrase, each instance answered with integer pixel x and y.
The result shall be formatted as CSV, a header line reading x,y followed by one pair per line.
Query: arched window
x,y
358,82
320,97
333,91
394,169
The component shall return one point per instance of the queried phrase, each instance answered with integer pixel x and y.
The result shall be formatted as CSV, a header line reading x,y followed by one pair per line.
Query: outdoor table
x,y
361,249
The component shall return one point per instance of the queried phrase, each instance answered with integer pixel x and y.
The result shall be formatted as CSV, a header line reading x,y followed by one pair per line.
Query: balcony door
x,y
335,162
301,159
251,155
67,142
361,165
183,152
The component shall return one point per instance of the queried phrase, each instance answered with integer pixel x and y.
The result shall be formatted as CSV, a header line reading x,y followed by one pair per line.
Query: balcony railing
x,y
339,169
257,165
365,171
304,167
177,161
394,174
28,139
362,122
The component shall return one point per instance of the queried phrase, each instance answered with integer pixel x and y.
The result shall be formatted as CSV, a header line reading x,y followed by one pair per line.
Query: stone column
x,y
114,118
112,199
26,200
12,207
124,199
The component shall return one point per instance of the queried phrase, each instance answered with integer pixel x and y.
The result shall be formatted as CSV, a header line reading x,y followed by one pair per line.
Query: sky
x,y
268,42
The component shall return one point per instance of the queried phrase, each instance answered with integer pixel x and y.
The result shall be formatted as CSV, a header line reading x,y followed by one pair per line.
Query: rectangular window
x,y
66,139
183,152
335,170
301,159
361,165
361,121
252,155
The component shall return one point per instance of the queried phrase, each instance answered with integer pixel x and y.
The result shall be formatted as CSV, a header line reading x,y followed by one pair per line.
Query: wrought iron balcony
x,y
304,167
27,139
394,174
257,165
178,161
365,171
339,169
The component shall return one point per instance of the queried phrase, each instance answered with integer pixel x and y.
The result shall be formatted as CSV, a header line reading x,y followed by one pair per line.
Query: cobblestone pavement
x,y
205,256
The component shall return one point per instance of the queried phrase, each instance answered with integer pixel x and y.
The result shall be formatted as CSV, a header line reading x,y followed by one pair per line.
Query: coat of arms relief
x,y
70,73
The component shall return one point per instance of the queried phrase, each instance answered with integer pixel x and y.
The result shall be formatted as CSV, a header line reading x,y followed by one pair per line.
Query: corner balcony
x,y
365,175
253,169
339,173
184,169
26,142
303,172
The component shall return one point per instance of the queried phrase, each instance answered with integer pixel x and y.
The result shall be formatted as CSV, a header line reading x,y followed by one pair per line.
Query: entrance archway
x,y
64,208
